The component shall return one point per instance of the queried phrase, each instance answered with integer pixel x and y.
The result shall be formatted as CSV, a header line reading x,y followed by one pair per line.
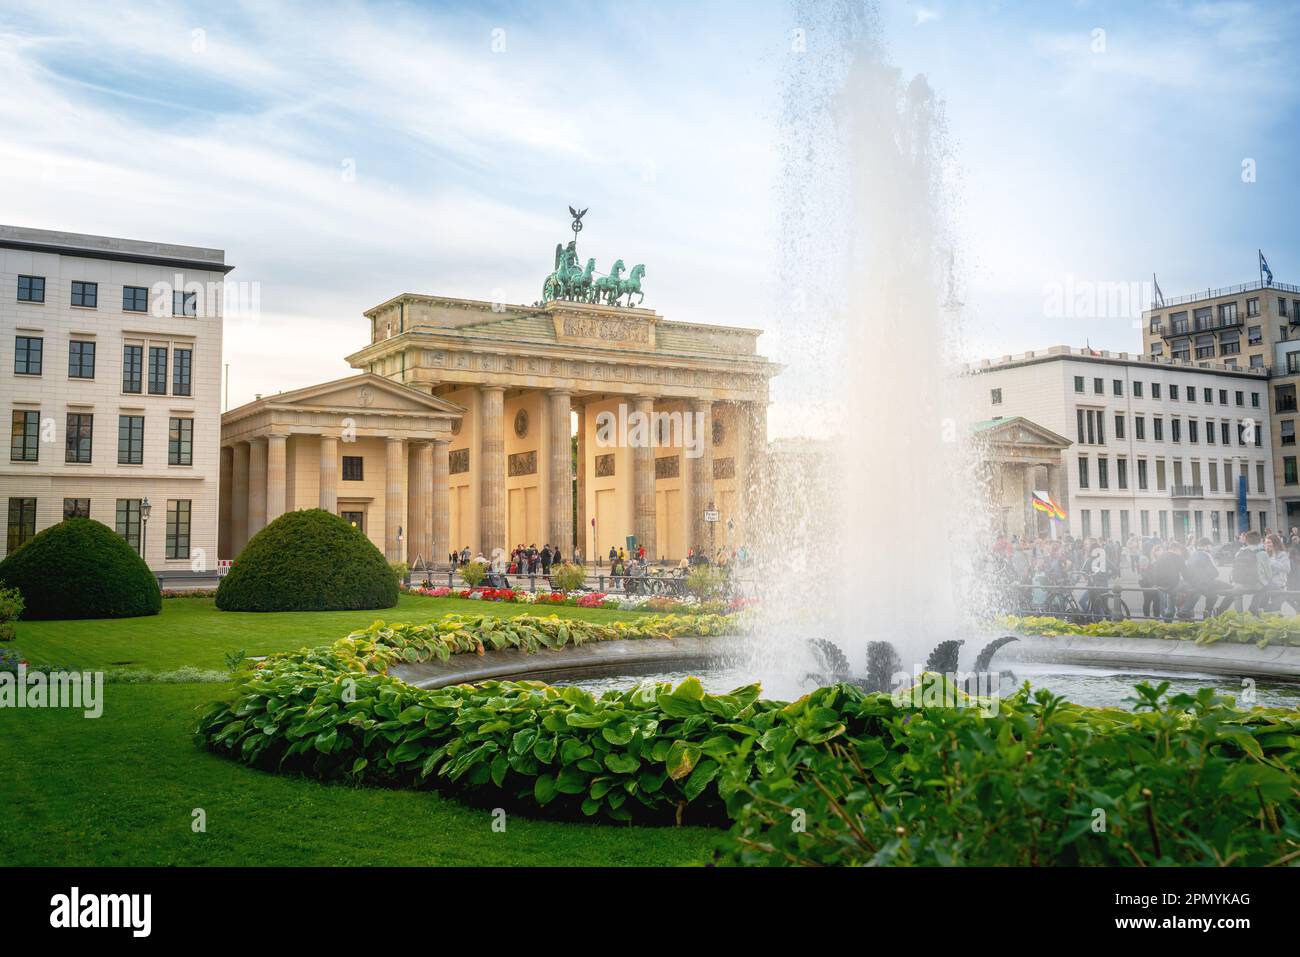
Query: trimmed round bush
x,y
81,568
308,561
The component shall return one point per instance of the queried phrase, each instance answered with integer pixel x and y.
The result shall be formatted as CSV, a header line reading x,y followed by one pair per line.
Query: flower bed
x,y
1231,626
688,605
1185,781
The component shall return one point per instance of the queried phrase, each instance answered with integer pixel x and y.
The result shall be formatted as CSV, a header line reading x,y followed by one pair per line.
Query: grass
x,y
123,788
190,631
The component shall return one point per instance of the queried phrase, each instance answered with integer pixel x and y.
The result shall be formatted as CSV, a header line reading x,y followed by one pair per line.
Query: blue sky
x,y
342,153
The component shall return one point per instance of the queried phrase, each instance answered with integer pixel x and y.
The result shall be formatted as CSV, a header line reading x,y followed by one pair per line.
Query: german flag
x,y
1042,502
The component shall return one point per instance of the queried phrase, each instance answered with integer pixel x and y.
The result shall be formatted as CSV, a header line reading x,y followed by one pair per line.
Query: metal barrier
x,y
1083,602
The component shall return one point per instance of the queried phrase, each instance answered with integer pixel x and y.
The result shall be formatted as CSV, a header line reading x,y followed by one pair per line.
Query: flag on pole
x,y
1042,502
1265,274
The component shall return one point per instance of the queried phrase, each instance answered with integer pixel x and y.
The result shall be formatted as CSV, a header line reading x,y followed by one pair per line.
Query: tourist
x,y
1202,577
1167,575
1280,567
1251,568
1147,581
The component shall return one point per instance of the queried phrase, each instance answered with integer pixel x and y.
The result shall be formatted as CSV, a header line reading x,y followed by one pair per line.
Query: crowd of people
x,y
1174,575
529,560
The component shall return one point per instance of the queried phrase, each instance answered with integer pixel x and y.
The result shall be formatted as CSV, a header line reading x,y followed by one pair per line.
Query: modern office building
x,y
1145,444
111,360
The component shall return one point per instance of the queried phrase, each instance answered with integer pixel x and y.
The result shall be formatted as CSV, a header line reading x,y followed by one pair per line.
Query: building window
x,y
27,355
1288,431
1191,393
1209,431
1175,429
81,431
1241,398
995,395
1078,425
1119,425
1103,473
1157,349
1142,474
1259,478
1281,306
178,528
1083,471
135,299
1254,400
1225,432
1078,383
76,508
1254,335
356,519
1173,392
1257,362
85,294
1155,324
22,522
1252,306
1230,347
185,303
1155,390
157,370
1193,431
1137,389
182,360
31,288
1289,475
130,439
1160,475
1085,517
1117,386
1121,473
353,468
81,359
1227,313
1157,429
132,368
128,521
180,442
1098,386
1140,427
24,442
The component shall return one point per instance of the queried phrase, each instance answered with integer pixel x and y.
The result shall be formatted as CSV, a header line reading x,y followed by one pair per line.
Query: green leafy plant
x,y
400,571
308,560
704,582
11,609
81,568
568,577
473,573
1232,626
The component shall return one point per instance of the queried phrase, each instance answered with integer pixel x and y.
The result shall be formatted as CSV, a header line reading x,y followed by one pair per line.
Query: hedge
x,y
1232,626
81,568
309,560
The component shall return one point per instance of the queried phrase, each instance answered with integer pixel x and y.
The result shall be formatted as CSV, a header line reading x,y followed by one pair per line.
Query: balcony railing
x,y
1187,491
1175,331
1225,291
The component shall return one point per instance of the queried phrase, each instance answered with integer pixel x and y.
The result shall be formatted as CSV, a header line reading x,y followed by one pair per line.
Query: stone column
x,y
643,482
276,489
560,531
492,470
584,524
699,481
238,498
419,539
440,499
225,490
1028,526
256,485
329,473
394,472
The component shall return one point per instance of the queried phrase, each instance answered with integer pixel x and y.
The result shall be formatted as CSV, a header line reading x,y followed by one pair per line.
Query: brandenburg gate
x,y
579,421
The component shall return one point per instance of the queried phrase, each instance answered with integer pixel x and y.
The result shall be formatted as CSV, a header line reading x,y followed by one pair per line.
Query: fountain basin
x,y
595,659
1275,662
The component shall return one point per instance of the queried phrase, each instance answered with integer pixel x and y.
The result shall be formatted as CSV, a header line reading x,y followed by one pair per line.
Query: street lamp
x,y
145,509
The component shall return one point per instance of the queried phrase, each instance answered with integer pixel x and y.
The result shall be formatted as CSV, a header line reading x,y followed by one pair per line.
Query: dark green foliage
x,y
81,568
308,561
1186,780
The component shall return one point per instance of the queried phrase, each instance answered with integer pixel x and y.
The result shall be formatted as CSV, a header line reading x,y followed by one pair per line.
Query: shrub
x,y
81,568
704,582
11,609
309,560
473,573
400,571
568,577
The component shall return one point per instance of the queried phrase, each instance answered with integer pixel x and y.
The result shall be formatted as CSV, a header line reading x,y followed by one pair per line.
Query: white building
x,y
1159,446
111,362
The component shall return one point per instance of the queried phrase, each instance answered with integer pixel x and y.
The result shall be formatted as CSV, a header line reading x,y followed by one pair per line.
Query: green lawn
x,y
190,631
122,788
